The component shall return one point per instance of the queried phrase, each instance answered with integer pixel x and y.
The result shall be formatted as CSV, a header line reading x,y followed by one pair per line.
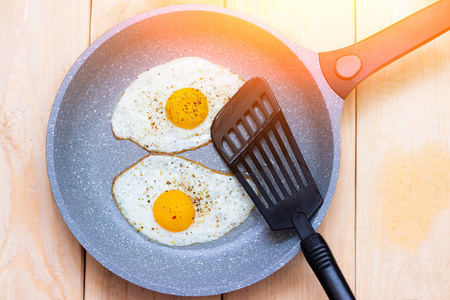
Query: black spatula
x,y
253,137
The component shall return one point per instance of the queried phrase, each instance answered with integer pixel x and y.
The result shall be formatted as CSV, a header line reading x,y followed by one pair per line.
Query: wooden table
x,y
388,222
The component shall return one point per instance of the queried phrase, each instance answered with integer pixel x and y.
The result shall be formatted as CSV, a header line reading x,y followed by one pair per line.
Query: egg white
x,y
140,114
222,203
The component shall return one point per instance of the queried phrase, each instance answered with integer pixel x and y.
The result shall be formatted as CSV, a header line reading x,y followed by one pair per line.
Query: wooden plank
x,y
319,26
39,257
100,283
294,20
403,167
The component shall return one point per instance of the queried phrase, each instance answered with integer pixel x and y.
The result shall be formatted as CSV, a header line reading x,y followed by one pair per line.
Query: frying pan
x,y
83,157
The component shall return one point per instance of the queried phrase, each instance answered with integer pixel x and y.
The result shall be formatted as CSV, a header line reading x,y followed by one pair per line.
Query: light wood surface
x,y
388,223
403,167
39,257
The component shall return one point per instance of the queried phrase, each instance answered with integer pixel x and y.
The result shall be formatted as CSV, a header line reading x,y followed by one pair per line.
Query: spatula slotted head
x,y
252,136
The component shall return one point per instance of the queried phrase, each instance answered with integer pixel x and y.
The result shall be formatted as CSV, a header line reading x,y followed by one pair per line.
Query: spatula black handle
x,y
319,257
321,260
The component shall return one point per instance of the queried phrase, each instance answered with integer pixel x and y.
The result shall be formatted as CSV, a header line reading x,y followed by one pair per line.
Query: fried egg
x,y
177,202
170,108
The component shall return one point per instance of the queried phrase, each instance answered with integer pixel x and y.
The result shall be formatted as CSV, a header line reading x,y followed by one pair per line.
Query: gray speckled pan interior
x,y
84,157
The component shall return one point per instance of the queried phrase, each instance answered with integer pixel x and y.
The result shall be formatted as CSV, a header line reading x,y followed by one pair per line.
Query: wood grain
x,y
319,29
39,257
403,169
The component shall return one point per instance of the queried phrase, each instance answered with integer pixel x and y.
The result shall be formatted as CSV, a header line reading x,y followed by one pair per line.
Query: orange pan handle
x,y
347,67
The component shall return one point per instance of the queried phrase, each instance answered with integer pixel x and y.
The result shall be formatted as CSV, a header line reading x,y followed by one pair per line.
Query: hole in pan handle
x,y
345,68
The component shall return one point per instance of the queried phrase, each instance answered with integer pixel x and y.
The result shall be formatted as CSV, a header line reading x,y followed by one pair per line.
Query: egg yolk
x,y
187,108
173,210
